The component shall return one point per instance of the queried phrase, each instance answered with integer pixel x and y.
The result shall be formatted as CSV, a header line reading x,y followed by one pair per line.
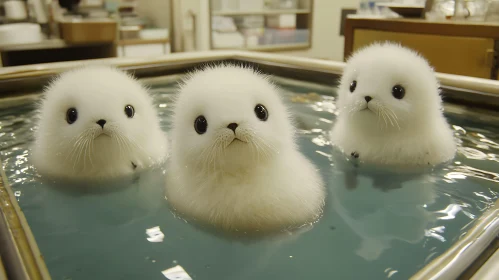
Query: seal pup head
x,y
229,117
386,87
96,121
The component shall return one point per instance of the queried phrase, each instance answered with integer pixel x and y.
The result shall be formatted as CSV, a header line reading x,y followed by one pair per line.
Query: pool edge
x,y
310,64
465,251
455,260
26,260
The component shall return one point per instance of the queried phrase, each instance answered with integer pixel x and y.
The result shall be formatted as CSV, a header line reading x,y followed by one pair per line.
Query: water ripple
x,y
429,212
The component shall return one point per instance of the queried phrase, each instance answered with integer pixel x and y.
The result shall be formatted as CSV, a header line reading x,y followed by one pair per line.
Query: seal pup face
x,y
229,117
93,117
388,87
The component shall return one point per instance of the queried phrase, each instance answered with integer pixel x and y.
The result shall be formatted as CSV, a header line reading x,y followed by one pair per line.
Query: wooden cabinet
x,y
454,48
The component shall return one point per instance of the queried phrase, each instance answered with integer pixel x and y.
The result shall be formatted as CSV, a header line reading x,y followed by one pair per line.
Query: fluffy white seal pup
x,y
234,162
96,122
390,109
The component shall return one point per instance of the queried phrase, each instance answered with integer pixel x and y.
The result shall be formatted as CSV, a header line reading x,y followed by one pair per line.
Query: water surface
x,y
365,233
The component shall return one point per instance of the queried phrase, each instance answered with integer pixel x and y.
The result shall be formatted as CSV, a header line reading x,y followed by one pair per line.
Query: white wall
x,y
326,41
187,36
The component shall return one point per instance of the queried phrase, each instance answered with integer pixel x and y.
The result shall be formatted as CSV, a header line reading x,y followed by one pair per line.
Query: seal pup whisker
x,y
384,118
78,155
84,151
81,147
122,145
385,111
393,117
73,145
262,151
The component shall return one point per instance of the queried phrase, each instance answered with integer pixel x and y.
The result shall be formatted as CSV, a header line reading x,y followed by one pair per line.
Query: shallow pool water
x,y
128,232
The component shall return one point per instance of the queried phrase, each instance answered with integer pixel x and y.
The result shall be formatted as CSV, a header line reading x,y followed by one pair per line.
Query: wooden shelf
x,y
273,47
90,6
47,44
129,42
261,12
131,5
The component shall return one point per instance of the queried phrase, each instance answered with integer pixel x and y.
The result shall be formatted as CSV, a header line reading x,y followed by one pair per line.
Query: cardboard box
x,y
79,31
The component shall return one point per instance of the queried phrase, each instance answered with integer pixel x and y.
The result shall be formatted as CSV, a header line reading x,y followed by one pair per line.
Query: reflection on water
x,y
376,224
155,234
378,217
176,273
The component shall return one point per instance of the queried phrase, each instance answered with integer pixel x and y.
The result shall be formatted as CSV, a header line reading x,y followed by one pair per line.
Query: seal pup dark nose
x,y
101,123
368,98
232,126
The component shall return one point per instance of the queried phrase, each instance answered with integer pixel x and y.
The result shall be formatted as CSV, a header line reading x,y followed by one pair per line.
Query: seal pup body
x,y
391,110
96,122
234,162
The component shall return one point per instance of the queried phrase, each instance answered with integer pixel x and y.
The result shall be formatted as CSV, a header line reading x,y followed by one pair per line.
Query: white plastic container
x,y
148,50
254,21
237,5
284,36
20,33
282,21
234,40
251,5
284,4
223,24
153,33
225,5
15,10
252,36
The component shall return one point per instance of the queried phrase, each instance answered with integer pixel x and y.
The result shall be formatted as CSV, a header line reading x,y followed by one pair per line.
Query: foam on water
x,y
126,231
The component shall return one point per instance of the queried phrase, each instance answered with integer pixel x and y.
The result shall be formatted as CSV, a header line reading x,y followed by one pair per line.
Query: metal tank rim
x,y
25,259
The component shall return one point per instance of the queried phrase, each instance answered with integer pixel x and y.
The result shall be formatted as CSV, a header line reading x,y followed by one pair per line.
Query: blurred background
x,y
458,37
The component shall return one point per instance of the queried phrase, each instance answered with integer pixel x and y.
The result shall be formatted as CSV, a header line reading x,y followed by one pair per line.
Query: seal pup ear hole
x,y
261,112
353,85
398,91
71,115
129,111
200,125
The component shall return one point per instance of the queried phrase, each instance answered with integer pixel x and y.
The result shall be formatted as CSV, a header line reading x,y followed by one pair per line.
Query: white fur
x,y
411,131
263,183
84,149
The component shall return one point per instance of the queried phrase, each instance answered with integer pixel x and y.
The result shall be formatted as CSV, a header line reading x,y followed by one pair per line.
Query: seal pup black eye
x,y
71,115
261,112
129,111
398,91
353,85
201,125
